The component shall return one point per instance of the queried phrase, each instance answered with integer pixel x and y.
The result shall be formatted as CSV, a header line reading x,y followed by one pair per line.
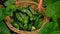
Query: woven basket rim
x,y
7,19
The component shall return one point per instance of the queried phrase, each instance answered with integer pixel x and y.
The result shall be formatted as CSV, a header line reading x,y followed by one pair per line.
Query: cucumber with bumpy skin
x,y
35,17
22,9
39,23
33,28
32,10
37,20
19,17
24,17
11,20
29,13
25,27
16,25
19,23
31,18
25,20
30,26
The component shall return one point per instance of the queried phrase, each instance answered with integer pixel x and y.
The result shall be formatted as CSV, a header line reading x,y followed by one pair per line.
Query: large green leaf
x,y
10,9
1,14
53,9
55,32
5,12
48,2
9,2
48,27
55,18
3,28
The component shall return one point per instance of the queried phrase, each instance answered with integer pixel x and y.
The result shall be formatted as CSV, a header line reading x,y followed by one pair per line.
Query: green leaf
x,y
9,10
48,27
9,2
53,9
50,10
3,28
55,18
1,14
48,2
55,32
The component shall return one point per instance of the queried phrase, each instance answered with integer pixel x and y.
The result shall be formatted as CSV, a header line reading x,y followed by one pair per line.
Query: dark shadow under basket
x,y
24,4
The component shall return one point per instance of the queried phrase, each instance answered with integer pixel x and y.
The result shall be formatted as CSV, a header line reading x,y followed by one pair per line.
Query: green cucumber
x,y
16,25
11,20
25,26
31,18
39,23
33,28
11,14
19,23
22,9
24,17
32,10
29,13
30,26
19,17
37,20
26,21
35,17
36,23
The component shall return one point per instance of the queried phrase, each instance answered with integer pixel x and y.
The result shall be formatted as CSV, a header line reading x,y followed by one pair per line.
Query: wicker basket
x,y
24,4
1,6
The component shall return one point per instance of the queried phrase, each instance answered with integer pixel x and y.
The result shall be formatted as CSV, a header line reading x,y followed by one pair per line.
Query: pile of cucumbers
x,y
26,19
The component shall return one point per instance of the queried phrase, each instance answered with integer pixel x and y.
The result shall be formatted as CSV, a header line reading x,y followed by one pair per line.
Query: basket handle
x,y
41,8
40,2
